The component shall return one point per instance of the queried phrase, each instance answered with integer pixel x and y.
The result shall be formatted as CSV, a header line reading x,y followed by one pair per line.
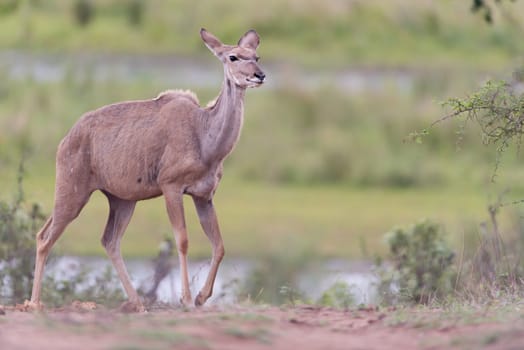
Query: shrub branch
x,y
497,108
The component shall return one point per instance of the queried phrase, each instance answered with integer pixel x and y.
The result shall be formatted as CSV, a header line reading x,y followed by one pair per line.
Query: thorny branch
x,y
497,108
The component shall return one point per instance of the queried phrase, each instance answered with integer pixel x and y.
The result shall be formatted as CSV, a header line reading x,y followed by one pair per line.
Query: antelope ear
x,y
211,41
249,40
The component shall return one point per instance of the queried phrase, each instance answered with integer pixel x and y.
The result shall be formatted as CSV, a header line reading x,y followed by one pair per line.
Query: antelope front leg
x,y
209,222
175,210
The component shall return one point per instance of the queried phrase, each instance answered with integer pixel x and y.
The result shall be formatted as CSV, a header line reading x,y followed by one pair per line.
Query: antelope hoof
x,y
200,300
129,307
185,301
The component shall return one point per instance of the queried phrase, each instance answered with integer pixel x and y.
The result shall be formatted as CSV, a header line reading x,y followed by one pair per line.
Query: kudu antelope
x,y
137,150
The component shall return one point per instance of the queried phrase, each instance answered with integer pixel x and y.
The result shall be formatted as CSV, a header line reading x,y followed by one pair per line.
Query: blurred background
x,y
325,165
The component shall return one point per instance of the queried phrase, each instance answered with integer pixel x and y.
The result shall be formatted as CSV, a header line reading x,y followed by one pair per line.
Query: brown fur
x,y
137,150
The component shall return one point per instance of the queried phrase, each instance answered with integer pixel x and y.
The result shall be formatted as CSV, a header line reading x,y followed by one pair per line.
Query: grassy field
x,y
367,33
321,135
329,173
318,167
327,220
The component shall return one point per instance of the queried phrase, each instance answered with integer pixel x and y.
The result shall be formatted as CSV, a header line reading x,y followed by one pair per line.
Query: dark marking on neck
x,y
229,88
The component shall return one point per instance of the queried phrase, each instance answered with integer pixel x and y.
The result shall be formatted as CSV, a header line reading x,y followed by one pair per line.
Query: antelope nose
x,y
260,76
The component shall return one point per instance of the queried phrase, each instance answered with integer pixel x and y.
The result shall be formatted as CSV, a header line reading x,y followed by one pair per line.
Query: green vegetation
x,y
497,108
456,313
493,269
104,289
338,296
17,246
367,33
379,181
18,225
421,268
324,166
321,136
274,278
422,265
257,219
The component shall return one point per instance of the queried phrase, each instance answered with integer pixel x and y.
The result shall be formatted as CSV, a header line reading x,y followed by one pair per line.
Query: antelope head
x,y
240,61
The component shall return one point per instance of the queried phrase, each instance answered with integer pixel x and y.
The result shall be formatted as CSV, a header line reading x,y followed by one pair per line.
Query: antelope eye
x,y
233,58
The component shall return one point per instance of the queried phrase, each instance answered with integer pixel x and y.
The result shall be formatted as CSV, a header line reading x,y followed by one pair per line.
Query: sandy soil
x,y
87,326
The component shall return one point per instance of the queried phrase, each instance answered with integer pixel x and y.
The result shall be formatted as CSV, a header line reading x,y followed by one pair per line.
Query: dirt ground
x,y
88,326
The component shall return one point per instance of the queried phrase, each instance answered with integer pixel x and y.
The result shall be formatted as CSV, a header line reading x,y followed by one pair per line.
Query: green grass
x,y
323,168
326,172
458,312
370,33
320,136
255,218
259,334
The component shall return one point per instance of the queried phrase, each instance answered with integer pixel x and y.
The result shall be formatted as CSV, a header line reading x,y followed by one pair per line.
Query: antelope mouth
x,y
256,81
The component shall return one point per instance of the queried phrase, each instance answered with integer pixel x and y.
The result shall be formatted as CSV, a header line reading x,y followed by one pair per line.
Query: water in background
x,y
181,72
232,272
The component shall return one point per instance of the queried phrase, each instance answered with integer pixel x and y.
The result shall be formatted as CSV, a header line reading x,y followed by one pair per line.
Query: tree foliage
x,y
497,108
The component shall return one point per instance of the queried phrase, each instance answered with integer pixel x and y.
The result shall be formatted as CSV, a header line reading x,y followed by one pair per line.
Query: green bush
x,y
274,279
18,224
421,265
104,290
338,295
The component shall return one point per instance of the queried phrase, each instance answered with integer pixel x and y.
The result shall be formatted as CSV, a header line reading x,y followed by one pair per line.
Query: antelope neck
x,y
223,122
